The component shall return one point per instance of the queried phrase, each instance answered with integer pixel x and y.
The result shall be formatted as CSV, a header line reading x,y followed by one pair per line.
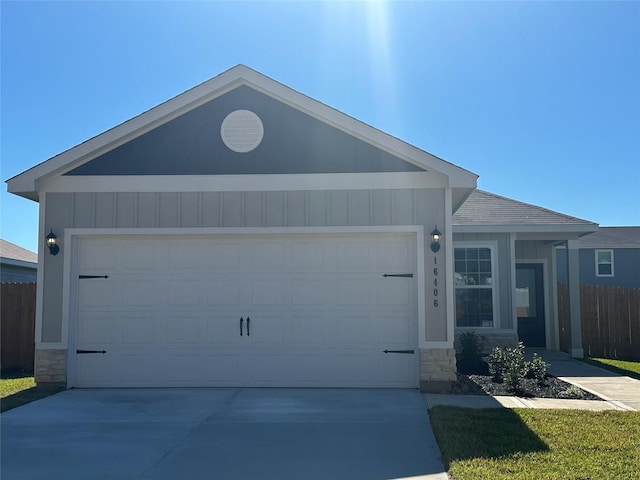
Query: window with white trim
x,y
604,263
474,286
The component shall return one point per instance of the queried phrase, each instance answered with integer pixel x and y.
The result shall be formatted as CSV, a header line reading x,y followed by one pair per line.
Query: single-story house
x,y
244,234
610,256
17,264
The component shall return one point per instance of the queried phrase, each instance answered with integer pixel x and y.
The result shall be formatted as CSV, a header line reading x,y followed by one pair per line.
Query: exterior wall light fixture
x,y
52,243
435,239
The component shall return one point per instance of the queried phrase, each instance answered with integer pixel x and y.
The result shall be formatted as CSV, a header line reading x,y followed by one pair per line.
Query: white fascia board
x,y
524,229
233,183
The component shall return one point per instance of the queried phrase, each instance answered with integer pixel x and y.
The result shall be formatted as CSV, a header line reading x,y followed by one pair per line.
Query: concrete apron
x,y
196,434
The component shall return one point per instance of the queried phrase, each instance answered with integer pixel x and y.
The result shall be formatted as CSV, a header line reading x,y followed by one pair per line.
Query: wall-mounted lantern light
x,y
435,240
52,243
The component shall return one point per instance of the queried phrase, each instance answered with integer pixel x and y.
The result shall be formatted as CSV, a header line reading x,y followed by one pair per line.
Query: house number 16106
x,y
435,281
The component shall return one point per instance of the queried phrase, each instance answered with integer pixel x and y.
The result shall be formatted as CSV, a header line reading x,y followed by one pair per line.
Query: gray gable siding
x,y
626,267
236,209
293,142
16,274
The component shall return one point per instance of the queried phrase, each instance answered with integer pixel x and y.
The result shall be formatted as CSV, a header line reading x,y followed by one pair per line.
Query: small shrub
x,y
537,369
508,365
572,392
469,360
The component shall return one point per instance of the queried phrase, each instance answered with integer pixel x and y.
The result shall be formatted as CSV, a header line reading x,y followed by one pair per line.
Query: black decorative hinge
x,y
82,277
404,275
400,351
91,351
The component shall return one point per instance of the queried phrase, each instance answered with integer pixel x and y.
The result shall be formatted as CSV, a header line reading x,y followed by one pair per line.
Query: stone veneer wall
x,y
437,369
490,340
51,366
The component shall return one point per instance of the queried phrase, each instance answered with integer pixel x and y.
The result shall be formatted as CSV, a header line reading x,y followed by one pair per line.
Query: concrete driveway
x,y
192,434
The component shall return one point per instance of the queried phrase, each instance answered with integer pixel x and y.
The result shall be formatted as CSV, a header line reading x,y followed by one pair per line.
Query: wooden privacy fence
x,y
17,325
610,320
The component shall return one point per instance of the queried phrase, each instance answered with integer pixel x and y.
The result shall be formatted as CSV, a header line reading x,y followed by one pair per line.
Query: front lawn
x,y
532,444
623,367
17,389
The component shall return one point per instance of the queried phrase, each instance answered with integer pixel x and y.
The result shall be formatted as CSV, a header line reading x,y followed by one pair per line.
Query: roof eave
x,y
582,229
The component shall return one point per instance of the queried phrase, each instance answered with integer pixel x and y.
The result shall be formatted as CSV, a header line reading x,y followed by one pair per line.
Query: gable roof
x,y
27,183
612,237
16,254
497,213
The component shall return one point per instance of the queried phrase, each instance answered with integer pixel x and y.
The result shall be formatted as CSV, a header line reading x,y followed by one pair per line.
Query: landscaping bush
x,y
507,365
469,359
537,369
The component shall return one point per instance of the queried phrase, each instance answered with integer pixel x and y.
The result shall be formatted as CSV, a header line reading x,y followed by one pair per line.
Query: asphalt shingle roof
x,y
484,208
15,252
612,237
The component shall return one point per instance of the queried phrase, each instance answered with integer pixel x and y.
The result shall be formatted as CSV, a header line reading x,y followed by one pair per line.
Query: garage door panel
x,y
321,313
99,292
139,292
137,256
269,291
353,328
98,256
97,328
307,328
394,329
183,329
184,291
224,292
394,291
138,329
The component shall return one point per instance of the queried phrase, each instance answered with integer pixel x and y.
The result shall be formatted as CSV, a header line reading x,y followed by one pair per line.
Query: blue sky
x,y
541,99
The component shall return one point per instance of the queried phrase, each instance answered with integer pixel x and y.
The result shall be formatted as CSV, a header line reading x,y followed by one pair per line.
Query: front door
x,y
530,304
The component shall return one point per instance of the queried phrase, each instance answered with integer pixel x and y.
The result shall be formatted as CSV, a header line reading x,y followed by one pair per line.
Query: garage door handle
x,y
241,320
248,331
399,351
91,351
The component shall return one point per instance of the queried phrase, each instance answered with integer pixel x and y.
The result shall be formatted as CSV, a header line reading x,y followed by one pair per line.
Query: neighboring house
x,y
610,256
244,234
17,264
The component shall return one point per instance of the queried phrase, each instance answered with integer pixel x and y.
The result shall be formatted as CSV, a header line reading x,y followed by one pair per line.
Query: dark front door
x,y
530,303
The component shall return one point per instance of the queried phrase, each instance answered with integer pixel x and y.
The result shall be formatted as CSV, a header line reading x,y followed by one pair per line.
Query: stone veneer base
x,y
51,366
437,369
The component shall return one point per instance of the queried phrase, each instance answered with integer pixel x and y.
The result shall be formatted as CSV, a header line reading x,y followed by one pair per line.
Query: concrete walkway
x,y
616,391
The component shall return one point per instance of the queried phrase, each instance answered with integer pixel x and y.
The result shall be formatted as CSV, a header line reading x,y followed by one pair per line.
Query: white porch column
x,y
573,279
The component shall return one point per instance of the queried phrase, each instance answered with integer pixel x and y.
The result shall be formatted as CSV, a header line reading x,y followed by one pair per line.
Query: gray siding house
x,y
17,264
610,256
244,234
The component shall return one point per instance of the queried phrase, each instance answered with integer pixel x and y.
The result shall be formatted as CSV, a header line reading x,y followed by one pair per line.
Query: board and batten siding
x,y
324,208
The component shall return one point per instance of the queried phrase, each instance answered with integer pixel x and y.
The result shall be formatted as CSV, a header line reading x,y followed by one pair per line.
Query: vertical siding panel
x,y
274,209
59,212
381,207
338,208
295,209
317,208
147,210
189,209
253,209
84,210
232,209
169,210
211,206
105,210
402,207
126,210
359,207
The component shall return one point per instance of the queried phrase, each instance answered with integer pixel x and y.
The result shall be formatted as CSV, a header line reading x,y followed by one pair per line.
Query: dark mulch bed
x,y
551,388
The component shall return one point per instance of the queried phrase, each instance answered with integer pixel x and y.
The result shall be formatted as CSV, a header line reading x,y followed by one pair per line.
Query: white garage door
x,y
296,310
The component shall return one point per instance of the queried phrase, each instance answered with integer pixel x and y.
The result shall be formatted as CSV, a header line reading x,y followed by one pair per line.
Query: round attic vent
x,y
242,131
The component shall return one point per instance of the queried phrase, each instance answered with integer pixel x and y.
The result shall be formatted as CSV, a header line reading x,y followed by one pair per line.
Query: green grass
x,y
623,367
532,444
19,388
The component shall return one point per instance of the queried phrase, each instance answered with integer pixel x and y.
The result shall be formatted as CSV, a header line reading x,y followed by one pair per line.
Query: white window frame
x,y
493,248
598,274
